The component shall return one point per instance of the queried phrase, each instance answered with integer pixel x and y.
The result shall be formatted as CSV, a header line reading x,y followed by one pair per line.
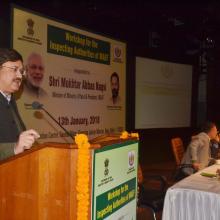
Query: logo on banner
x,y
166,71
117,54
106,162
131,160
106,178
30,29
30,33
131,155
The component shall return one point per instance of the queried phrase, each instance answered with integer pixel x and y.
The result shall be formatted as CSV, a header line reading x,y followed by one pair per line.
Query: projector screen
x,y
163,94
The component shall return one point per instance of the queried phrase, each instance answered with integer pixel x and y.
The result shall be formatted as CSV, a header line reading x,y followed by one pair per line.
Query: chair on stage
x,y
152,190
178,151
145,213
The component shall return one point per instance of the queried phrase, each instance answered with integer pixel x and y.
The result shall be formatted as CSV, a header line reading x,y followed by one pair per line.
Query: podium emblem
x,y
131,156
106,163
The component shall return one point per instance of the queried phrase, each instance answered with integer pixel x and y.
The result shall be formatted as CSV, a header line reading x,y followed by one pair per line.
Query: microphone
x,y
36,105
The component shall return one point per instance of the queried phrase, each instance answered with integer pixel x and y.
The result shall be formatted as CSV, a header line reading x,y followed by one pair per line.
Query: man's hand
x,y
26,140
196,166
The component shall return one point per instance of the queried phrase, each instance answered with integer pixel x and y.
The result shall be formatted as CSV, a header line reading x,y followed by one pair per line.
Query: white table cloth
x,y
194,198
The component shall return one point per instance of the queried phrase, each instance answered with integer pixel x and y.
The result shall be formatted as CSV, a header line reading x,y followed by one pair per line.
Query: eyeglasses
x,y
16,69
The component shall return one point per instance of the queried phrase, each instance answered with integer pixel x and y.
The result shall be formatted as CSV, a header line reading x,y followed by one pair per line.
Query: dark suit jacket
x,y
11,126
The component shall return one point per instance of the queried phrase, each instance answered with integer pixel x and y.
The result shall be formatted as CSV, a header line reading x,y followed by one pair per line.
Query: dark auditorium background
x,y
185,32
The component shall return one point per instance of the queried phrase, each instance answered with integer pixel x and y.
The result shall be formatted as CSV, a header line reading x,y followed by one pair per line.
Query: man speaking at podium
x,y
14,138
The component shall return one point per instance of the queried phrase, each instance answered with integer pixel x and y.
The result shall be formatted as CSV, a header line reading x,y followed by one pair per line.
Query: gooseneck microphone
x,y
36,105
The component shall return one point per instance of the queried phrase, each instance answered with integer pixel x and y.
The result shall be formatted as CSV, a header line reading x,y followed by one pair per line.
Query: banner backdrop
x,y
78,76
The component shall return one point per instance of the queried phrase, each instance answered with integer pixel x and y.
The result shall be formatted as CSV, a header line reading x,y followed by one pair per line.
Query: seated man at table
x,y
198,153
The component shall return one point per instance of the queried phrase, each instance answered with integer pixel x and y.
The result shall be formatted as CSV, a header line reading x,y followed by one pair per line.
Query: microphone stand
x,y
67,132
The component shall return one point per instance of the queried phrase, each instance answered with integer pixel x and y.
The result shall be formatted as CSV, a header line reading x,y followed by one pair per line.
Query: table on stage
x,y
196,197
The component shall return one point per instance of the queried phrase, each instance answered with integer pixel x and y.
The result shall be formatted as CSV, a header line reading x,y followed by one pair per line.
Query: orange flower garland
x,y
125,135
135,135
82,185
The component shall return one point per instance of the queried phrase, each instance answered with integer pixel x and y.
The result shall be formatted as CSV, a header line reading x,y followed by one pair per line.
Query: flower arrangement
x,y
125,135
82,185
135,135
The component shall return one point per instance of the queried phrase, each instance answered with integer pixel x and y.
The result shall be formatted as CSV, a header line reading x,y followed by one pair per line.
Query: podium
x,y
40,183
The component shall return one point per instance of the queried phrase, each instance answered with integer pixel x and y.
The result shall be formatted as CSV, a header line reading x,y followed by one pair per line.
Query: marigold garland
x,y
135,135
125,135
82,185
